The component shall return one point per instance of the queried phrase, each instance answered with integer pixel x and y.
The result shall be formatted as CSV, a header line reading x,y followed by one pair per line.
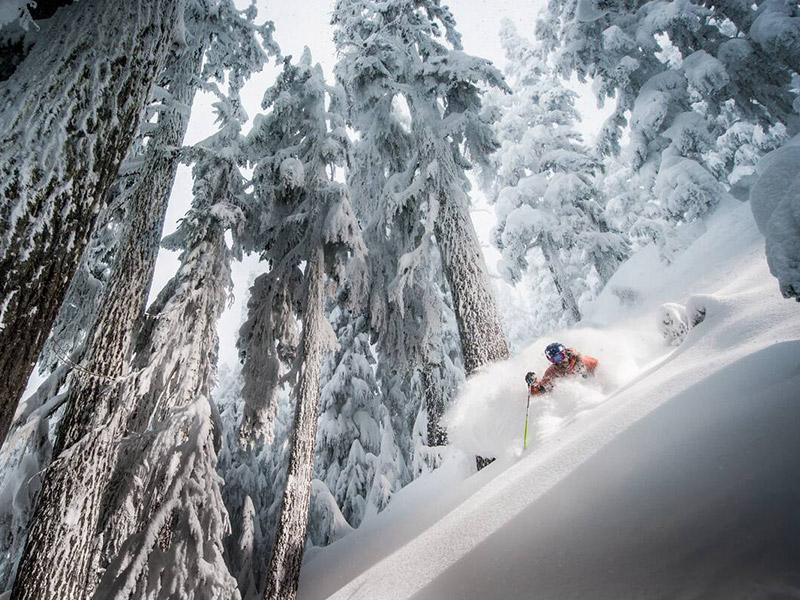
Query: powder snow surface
x,y
672,474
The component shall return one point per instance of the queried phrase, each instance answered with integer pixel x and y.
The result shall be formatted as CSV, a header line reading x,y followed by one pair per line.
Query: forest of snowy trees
x,y
140,469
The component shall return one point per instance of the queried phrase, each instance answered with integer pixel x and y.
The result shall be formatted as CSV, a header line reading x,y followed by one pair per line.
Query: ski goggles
x,y
557,358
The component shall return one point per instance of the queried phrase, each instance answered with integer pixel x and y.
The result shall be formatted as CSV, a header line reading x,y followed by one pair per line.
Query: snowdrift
x,y
673,474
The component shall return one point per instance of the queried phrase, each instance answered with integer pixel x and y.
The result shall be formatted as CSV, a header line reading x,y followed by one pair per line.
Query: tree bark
x,y
435,403
287,553
123,305
70,112
568,301
482,337
60,556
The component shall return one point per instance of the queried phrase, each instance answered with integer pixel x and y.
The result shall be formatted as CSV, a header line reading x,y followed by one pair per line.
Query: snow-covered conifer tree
x,y
545,192
632,209
352,427
736,152
164,520
348,462
410,53
306,231
415,105
255,475
69,114
677,67
417,363
349,436
92,418
650,54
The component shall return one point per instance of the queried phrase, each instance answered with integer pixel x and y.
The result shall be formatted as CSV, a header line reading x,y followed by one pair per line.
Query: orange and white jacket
x,y
576,364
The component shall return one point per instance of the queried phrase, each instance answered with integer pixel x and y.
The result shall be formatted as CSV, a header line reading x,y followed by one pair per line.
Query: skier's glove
x,y
530,378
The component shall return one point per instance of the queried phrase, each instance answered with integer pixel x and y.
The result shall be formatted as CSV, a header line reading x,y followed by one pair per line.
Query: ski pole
x,y
527,412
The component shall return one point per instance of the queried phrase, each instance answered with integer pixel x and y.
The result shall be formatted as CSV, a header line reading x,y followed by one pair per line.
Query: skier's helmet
x,y
556,353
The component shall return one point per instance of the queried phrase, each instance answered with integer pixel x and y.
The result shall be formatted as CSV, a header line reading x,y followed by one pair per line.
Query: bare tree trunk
x,y
568,301
109,342
60,557
287,552
69,114
482,337
435,403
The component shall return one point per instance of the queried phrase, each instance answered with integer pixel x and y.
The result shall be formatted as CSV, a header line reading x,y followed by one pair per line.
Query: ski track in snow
x,y
447,536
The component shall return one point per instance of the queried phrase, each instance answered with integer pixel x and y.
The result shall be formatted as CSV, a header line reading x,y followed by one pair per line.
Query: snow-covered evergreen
x,y
179,510
69,114
390,430
163,527
255,476
775,200
685,72
349,437
91,418
376,330
409,55
545,192
302,223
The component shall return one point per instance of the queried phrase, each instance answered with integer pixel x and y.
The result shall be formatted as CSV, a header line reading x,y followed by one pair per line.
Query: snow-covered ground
x,y
673,474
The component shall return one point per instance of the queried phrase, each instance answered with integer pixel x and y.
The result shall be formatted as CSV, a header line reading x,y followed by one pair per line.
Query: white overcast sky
x,y
307,23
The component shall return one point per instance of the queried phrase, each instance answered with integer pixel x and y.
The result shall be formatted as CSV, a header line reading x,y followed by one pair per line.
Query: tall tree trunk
x,y
482,337
25,455
435,403
70,113
562,285
28,449
109,342
287,552
60,556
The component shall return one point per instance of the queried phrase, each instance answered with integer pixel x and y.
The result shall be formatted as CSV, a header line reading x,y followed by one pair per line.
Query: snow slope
x,y
681,483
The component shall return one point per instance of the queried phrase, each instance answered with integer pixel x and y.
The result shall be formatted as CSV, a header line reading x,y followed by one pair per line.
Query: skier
x,y
565,361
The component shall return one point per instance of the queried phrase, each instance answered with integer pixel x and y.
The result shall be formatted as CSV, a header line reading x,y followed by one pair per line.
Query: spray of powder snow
x,y
488,417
